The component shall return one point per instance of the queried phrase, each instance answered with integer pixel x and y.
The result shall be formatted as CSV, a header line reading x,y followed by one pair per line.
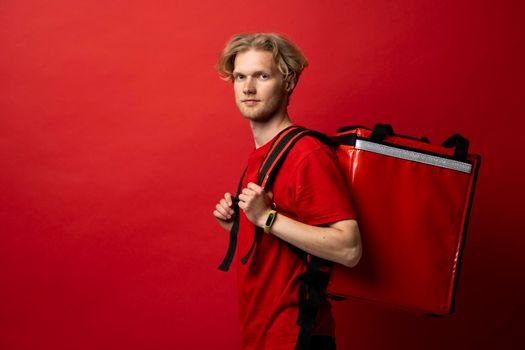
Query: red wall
x,y
117,138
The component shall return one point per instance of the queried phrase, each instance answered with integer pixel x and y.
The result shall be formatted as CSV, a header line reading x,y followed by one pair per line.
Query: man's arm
x,y
339,242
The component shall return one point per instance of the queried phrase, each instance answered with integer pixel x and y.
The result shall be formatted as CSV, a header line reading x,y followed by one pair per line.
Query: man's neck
x,y
264,131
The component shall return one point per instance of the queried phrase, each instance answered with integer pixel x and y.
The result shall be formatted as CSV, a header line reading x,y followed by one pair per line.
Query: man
x,y
313,210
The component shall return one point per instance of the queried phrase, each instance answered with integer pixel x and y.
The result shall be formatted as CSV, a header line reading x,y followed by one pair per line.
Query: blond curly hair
x,y
287,56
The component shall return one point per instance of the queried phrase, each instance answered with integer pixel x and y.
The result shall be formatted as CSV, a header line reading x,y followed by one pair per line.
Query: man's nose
x,y
249,86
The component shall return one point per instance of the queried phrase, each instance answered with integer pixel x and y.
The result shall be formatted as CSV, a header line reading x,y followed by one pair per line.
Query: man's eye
x,y
264,76
239,77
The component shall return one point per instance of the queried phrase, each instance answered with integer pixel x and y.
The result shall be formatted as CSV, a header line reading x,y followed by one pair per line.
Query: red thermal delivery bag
x,y
412,200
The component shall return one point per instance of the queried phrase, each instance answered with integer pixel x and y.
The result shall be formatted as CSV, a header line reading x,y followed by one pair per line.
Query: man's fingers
x,y
254,187
228,197
243,198
219,215
226,207
248,191
223,211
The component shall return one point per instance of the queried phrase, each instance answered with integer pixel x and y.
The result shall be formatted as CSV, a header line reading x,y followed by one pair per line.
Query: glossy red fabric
x,y
412,218
309,188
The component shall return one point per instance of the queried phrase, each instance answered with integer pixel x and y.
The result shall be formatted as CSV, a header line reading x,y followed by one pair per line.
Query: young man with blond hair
x,y
308,200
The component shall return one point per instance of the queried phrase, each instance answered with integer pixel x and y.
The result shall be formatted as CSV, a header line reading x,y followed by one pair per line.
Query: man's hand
x,y
224,213
255,203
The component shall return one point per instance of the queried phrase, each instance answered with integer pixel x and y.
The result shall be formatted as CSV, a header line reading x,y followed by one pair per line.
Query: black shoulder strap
x,y
315,279
274,159
232,244
271,165
278,144
314,282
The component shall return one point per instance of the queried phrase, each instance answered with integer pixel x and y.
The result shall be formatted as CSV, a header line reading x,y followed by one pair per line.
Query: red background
x,y
117,138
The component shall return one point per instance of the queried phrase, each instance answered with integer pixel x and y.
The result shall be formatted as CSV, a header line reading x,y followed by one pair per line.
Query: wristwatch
x,y
269,221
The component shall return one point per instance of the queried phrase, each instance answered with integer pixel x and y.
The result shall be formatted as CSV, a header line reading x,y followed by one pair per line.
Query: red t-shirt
x,y
308,188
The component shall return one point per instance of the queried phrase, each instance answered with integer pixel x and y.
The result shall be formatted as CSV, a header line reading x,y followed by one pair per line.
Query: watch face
x,y
269,221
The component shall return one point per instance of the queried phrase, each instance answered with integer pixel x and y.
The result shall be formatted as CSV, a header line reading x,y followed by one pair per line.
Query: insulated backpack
x,y
412,200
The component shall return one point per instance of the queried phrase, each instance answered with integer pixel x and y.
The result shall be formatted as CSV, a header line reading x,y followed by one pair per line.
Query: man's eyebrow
x,y
259,72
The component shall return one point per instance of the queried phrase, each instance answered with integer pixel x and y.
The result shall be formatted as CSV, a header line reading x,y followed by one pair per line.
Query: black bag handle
x,y
456,141
351,127
382,130
460,145
379,133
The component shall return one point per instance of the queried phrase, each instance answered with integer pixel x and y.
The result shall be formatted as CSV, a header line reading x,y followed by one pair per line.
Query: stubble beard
x,y
261,113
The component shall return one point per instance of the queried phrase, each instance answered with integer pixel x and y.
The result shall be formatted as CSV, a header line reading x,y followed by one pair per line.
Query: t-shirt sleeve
x,y
321,194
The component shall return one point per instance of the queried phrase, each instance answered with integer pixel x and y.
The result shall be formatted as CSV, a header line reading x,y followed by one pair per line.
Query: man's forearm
x,y
339,242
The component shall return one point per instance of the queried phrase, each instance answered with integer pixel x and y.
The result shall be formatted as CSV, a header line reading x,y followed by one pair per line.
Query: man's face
x,y
260,90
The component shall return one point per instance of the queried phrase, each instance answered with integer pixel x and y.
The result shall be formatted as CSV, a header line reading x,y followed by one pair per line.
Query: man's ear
x,y
289,85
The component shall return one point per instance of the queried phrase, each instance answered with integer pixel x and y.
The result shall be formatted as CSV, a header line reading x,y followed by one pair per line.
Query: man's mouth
x,y
250,102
